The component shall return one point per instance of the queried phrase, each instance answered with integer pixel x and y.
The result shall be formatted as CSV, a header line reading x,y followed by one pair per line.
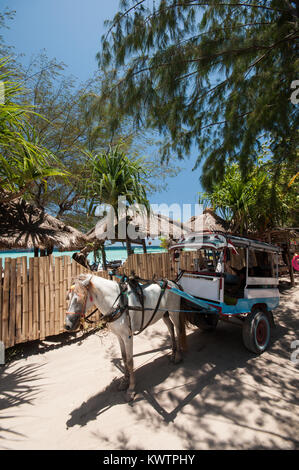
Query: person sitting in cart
x,y
234,284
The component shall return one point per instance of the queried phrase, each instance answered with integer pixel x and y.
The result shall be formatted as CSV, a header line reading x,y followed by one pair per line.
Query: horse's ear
x,y
86,281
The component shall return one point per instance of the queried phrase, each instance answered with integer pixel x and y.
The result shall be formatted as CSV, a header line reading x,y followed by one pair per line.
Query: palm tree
x,y
114,175
258,203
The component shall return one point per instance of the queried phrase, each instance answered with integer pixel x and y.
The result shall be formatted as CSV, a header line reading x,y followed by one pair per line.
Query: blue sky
x,y
70,31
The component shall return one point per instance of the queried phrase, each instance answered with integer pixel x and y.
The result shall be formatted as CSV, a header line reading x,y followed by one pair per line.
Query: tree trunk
x,y
129,247
291,271
104,257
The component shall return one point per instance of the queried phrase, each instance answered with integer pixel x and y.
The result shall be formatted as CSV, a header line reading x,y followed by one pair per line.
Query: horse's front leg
x,y
124,384
170,327
128,341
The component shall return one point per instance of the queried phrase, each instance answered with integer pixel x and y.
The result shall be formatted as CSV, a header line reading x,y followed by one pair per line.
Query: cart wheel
x,y
256,332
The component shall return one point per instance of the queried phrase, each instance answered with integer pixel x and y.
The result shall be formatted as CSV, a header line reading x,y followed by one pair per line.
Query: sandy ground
x,y
64,395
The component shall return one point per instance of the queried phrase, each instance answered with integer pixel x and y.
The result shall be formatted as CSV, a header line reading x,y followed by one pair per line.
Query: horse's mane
x,y
81,277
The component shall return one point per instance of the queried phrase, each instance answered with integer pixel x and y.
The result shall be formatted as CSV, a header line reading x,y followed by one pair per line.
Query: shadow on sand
x,y
214,366
17,388
33,348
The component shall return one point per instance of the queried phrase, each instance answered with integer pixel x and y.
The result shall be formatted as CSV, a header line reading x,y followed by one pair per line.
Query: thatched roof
x,y
24,226
282,235
140,226
208,221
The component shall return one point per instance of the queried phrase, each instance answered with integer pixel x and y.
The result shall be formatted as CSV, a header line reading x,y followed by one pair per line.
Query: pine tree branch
x,y
191,4
223,122
289,37
207,4
122,16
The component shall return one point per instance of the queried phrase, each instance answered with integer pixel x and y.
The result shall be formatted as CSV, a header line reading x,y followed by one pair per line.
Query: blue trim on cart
x,y
242,305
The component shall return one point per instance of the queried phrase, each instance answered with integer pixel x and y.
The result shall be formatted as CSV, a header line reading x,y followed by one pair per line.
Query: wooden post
x,y
5,303
129,247
12,302
144,245
104,257
61,296
42,316
18,301
47,296
291,271
56,286
50,251
30,299
71,270
25,297
52,296
35,298
152,267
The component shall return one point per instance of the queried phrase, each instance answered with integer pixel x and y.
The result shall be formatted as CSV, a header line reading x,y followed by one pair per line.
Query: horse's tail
x,y
182,335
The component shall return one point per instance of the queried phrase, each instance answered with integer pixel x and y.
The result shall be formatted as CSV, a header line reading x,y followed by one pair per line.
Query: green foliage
x,y
113,175
5,16
214,75
265,199
23,159
77,123
165,243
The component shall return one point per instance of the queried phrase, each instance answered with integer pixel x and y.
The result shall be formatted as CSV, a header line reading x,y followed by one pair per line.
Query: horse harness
x,y
124,307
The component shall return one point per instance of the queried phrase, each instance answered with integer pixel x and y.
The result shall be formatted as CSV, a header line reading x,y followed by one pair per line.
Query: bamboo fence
x,y
33,297
33,291
157,265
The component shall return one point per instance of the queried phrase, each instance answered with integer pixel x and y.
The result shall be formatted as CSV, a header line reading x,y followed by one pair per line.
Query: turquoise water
x,y
112,253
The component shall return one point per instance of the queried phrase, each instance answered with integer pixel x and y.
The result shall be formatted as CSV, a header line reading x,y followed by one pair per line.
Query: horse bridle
x,y
82,313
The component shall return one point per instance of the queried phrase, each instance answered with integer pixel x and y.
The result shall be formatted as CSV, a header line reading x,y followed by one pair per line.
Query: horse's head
x,y
79,301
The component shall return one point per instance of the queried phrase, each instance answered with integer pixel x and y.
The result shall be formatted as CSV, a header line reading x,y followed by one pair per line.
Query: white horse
x,y
89,290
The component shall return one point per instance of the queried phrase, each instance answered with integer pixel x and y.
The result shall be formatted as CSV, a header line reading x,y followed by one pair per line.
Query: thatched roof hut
x,y
208,221
139,227
23,225
135,228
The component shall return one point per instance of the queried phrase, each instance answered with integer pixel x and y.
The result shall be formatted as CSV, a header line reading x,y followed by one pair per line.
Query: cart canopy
x,y
218,241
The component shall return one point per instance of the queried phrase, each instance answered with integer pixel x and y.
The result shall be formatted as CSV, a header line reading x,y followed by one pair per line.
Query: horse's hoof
x,y
130,395
177,359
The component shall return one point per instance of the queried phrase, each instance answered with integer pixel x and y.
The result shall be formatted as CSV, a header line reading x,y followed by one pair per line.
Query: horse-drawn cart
x,y
234,279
